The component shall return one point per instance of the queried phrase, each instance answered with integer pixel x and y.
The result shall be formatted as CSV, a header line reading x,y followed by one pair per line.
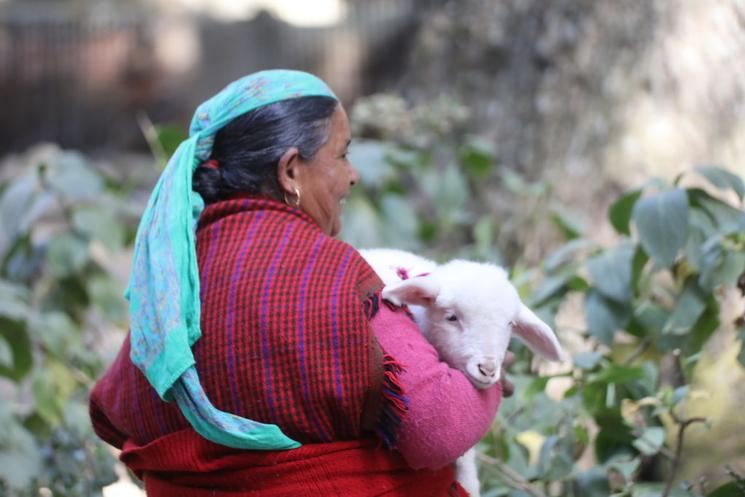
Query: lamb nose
x,y
488,368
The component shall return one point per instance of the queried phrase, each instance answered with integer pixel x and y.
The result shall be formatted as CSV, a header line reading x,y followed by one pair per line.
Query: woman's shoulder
x,y
349,261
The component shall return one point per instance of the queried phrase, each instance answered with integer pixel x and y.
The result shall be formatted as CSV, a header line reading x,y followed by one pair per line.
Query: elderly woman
x,y
261,360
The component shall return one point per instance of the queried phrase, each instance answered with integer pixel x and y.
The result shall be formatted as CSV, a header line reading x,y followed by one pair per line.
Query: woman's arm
x,y
446,415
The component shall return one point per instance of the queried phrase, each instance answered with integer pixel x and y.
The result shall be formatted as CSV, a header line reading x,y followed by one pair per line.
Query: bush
x,y
66,229
651,303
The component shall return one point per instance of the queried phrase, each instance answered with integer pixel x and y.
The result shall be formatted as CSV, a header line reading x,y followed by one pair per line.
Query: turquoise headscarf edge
x,y
164,264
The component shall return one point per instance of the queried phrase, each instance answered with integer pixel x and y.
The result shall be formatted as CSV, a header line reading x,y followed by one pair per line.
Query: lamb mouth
x,y
480,384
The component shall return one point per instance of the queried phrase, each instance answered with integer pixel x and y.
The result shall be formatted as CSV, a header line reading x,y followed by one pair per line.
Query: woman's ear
x,y
287,170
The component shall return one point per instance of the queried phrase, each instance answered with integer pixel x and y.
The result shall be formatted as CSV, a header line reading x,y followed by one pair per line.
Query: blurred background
x,y
596,148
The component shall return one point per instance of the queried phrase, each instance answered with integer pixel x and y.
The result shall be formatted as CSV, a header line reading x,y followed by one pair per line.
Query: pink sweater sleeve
x,y
446,415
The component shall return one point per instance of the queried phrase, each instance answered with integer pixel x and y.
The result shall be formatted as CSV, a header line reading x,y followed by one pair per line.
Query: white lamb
x,y
468,311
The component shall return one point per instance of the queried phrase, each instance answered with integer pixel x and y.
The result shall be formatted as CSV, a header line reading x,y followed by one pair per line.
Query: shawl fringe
x,y
395,405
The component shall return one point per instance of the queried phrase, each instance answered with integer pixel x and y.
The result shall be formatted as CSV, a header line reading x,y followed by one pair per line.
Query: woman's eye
x,y
452,317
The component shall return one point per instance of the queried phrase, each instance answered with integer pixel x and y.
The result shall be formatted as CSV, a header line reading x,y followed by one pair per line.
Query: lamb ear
x,y
420,290
536,334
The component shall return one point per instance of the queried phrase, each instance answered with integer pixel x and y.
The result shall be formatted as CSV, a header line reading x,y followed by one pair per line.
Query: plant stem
x,y
511,477
640,349
682,425
151,137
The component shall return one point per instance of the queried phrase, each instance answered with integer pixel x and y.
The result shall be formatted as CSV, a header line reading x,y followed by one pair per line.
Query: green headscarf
x,y
163,288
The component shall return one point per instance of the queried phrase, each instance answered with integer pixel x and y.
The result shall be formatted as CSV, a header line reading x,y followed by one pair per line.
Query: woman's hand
x,y
508,388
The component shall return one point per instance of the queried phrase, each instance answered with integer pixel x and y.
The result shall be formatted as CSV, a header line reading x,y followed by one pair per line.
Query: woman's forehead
x,y
339,129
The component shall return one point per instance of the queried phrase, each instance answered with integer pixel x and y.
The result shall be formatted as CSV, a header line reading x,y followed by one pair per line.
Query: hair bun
x,y
207,181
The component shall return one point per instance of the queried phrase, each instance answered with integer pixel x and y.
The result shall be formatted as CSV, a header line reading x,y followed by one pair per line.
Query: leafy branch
x,y
511,477
683,424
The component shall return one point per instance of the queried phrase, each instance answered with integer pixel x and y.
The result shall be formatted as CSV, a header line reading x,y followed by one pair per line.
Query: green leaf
x,y
662,223
614,436
728,219
706,325
515,183
618,373
99,224
709,261
20,460
14,333
620,211
52,387
66,254
567,223
170,137
6,354
637,267
400,221
484,234
57,332
731,489
688,309
729,270
626,466
536,386
611,272
592,483
14,202
723,179
587,360
21,204
650,317
477,157
106,294
655,490
566,253
741,338
702,228
578,284
361,224
555,458
73,179
369,159
650,441
604,317
518,457
13,300
448,191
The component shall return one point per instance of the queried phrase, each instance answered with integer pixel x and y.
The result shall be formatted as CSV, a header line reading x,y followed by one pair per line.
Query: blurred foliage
x,y
428,185
65,226
651,300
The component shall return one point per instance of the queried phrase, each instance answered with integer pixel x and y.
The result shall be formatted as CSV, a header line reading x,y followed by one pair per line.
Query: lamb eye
x,y
452,317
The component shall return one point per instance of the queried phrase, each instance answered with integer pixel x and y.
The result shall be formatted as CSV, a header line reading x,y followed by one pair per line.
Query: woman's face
x,y
324,181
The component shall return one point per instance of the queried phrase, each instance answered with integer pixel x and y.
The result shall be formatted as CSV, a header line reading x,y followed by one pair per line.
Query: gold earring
x,y
297,200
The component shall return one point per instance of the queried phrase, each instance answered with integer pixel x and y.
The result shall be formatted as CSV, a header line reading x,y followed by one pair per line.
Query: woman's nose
x,y
355,177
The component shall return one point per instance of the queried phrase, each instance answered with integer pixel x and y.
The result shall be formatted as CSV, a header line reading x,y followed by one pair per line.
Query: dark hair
x,y
248,148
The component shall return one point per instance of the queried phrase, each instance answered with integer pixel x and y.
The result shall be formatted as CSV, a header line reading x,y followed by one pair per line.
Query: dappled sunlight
x,y
690,110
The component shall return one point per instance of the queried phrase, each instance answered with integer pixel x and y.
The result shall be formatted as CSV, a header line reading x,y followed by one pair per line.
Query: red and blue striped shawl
x,y
285,334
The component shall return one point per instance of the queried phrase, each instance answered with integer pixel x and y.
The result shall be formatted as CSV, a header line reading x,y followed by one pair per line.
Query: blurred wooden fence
x,y
61,78
79,80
